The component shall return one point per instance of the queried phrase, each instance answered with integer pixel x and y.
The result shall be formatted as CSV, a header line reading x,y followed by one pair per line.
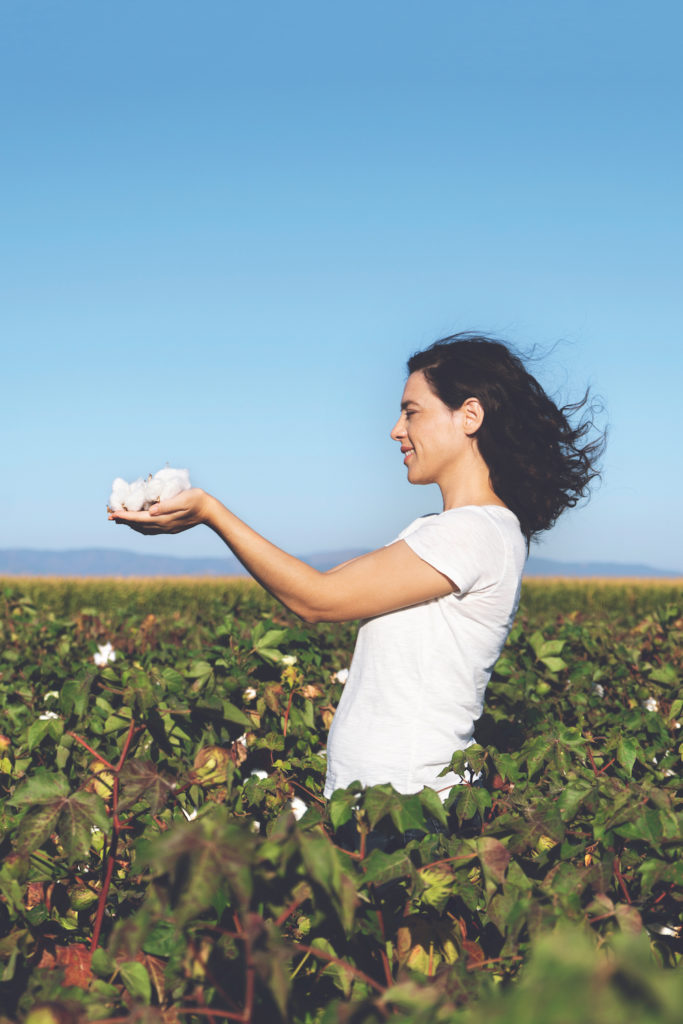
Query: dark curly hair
x,y
539,463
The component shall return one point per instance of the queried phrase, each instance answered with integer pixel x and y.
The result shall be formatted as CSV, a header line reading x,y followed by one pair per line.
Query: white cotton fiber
x,y
143,493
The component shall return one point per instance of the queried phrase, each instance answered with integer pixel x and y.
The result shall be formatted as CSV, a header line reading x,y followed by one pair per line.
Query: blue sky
x,y
224,227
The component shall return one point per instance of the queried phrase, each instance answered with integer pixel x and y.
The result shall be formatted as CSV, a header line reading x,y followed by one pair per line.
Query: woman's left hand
x,y
187,509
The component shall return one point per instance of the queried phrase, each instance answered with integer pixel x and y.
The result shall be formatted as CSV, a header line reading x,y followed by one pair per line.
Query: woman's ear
x,y
473,415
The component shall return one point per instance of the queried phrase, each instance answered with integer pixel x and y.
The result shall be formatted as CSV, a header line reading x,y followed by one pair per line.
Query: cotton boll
x,y
171,485
182,476
298,806
170,482
136,496
145,492
152,489
119,493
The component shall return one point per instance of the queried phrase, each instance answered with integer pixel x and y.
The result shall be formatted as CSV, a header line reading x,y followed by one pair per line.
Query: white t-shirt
x,y
418,676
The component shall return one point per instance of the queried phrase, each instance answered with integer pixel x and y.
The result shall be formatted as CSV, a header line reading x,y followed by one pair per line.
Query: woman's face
x,y
433,437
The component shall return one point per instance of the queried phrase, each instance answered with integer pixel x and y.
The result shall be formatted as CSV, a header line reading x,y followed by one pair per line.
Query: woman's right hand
x,y
175,515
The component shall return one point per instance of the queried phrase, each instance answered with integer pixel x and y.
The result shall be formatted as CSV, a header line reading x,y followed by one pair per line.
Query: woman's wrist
x,y
210,510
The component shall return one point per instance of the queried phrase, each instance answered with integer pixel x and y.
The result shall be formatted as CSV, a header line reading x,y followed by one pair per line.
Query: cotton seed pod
x,y
5,742
210,766
102,782
51,1013
545,843
82,896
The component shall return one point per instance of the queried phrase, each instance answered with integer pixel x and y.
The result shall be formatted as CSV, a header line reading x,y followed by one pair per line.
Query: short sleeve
x,y
463,544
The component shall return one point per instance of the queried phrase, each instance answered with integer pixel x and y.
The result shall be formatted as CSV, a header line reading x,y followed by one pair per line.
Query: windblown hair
x,y
539,463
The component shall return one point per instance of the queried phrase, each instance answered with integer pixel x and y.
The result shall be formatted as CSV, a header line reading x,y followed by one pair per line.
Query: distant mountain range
x,y
106,562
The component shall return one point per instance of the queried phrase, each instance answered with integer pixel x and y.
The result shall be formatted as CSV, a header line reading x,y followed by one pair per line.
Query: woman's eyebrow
x,y
409,401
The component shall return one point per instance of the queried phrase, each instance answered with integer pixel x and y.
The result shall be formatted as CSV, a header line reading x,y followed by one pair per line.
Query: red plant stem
x,y
214,981
493,960
387,968
383,955
116,830
203,1011
288,911
620,879
289,706
126,745
322,955
304,789
663,894
101,903
593,764
94,753
448,860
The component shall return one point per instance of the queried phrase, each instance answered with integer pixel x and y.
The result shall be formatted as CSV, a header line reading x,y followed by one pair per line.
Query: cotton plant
x,y
104,654
142,493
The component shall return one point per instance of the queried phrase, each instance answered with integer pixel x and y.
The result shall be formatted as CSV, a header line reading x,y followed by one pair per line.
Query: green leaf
x,y
271,638
102,963
549,648
77,815
37,732
36,826
493,856
627,752
199,669
141,779
666,674
136,979
433,805
73,697
41,788
554,664
343,978
340,806
163,939
233,714
379,802
383,867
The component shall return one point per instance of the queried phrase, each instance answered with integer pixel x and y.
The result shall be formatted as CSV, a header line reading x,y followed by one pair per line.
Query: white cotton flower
x,y
142,493
258,774
651,704
191,815
299,808
119,493
249,694
288,660
342,675
105,653
169,482
255,827
47,716
598,690
136,496
242,739
51,693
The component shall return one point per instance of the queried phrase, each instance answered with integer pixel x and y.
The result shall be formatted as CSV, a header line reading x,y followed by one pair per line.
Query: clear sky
x,y
225,226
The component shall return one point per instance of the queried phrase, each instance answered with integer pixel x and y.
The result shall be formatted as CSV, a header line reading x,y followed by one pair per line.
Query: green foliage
x,y
151,863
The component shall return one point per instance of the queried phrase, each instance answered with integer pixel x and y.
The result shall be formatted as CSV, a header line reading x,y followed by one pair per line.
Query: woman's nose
x,y
398,431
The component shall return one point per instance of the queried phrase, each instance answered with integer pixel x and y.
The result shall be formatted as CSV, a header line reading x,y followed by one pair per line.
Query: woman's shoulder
x,y
486,517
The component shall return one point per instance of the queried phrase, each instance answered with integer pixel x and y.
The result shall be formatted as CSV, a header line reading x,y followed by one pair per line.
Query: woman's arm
x,y
381,581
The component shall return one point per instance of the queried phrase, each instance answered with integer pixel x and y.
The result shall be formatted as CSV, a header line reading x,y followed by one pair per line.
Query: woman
x,y
439,601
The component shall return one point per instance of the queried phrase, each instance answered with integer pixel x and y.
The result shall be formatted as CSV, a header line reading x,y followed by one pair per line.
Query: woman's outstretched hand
x,y
187,509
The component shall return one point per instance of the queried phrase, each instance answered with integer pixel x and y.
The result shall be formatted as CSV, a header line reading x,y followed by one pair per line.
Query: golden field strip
x,y
593,597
